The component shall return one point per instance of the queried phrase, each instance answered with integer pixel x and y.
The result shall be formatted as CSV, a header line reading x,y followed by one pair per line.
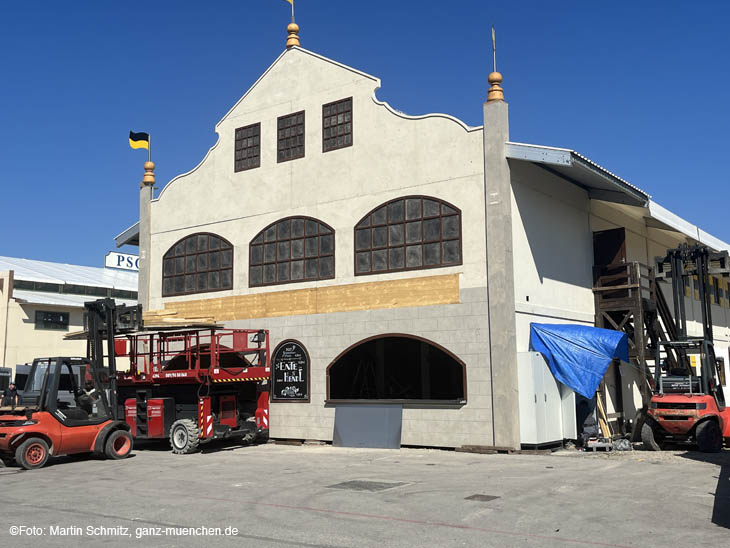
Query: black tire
x,y
32,453
708,436
118,445
648,439
184,437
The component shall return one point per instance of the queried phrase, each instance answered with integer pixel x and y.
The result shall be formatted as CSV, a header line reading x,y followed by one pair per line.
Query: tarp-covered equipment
x,y
578,355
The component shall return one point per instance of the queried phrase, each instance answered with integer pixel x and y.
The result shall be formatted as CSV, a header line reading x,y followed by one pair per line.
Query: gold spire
x,y
495,93
149,174
293,38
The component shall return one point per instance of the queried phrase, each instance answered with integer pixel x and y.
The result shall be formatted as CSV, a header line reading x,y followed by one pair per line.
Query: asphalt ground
x,y
322,496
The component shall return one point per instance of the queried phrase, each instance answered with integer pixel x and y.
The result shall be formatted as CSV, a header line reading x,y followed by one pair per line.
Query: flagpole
x,y
292,11
494,50
149,148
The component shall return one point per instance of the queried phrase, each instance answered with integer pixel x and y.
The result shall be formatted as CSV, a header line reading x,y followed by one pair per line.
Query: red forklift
x,y
67,407
195,385
688,404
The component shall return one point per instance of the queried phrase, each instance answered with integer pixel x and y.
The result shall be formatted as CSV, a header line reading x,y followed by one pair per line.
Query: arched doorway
x,y
397,367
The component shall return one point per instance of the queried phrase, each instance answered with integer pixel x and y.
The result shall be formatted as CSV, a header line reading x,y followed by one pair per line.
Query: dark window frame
x,y
419,402
326,124
387,247
63,325
195,254
262,235
246,148
280,139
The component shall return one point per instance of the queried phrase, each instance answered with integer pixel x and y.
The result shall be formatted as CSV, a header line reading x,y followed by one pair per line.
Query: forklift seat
x,y
75,413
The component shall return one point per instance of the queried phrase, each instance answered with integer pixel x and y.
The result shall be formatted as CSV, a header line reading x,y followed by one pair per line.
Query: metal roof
x,y
59,273
58,299
662,218
600,183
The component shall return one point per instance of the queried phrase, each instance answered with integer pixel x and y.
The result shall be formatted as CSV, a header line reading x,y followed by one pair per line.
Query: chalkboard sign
x,y
290,372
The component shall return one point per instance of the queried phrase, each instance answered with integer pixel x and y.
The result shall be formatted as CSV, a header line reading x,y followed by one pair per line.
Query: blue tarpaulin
x,y
578,355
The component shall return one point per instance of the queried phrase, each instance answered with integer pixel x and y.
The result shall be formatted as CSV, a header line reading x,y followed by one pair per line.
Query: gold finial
x,y
495,93
149,174
293,38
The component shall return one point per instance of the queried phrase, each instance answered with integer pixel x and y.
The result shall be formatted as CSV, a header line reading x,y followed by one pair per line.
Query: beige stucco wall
x,y
435,156
24,342
553,250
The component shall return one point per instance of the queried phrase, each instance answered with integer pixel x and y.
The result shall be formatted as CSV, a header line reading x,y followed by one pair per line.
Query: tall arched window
x,y
197,264
408,233
295,249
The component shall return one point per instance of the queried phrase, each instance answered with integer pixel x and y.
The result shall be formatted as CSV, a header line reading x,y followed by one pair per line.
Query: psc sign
x,y
123,261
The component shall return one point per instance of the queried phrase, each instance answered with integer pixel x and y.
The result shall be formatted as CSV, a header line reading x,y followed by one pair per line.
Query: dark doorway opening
x,y
609,247
397,367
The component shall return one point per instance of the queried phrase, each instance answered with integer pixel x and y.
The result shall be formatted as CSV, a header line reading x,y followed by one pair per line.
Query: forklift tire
x,y
648,439
118,445
184,437
708,436
32,453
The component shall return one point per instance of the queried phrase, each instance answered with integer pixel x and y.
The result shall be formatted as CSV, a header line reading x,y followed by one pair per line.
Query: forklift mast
x,y
681,265
105,320
684,263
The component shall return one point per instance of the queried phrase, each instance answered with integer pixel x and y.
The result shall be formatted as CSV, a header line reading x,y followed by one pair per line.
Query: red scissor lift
x,y
195,385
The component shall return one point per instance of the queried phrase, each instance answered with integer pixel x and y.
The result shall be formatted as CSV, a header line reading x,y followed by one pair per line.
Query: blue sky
x,y
639,87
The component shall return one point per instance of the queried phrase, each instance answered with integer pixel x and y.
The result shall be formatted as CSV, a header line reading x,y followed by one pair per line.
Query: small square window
x,y
337,125
290,143
247,150
51,320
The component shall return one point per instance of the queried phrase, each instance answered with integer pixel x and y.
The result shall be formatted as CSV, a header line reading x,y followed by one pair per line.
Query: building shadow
x,y
721,509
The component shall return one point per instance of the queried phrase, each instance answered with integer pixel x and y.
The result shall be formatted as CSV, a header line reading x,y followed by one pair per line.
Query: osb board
x,y
426,291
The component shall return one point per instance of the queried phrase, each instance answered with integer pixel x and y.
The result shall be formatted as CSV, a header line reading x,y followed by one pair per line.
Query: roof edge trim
x,y
306,51
564,158
405,116
250,89
675,223
127,235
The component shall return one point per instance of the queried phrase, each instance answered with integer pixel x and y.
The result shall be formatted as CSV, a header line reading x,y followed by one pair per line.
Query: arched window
x,y
295,249
197,264
408,233
397,367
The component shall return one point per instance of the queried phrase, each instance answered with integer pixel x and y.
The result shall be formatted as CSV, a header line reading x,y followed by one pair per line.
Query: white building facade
x,y
407,254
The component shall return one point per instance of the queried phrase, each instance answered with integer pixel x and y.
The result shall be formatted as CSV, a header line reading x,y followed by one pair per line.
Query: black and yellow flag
x,y
139,140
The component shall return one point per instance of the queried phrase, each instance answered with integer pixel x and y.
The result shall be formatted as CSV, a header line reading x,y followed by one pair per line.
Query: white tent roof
x,y
58,299
59,273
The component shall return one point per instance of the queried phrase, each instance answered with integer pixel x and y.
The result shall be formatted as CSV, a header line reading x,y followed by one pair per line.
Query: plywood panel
x,y
424,291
